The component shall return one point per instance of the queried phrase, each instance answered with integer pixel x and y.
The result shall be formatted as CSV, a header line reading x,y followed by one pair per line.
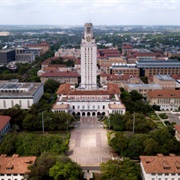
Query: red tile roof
x,y
127,46
117,77
164,94
161,164
146,54
64,89
15,164
177,127
43,44
3,121
60,74
89,92
111,89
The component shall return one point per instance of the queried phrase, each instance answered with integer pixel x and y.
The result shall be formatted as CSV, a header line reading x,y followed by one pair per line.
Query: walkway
x,y
88,144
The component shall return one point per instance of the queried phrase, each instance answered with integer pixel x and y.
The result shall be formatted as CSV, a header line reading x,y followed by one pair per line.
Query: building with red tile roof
x,y
62,77
4,125
160,167
83,102
89,99
15,167
166,99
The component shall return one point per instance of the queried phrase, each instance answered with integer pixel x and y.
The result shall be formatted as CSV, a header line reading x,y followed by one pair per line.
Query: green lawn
x,y
160,125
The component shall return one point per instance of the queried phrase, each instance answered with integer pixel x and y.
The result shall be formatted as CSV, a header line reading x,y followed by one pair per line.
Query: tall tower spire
x,y
88,59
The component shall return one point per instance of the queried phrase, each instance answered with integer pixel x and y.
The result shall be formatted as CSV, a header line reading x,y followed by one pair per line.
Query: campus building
x,y
89,99
160,167
148,67
22,94
6,56
4,125
15,167
167,99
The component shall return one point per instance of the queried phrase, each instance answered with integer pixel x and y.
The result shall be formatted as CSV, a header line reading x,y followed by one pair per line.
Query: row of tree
x,y
158,141
26,144
119,122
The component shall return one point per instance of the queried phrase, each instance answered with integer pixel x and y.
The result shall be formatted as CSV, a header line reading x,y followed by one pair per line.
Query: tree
x,y
119,144
65,171
135,95
118,122
40,170
116,169
51,86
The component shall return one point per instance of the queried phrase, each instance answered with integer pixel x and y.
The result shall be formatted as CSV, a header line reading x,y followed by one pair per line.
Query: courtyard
x,y
88,143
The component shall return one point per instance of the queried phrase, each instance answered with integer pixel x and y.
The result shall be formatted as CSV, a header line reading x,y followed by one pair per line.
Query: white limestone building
x,y
88,99
88,59
22,94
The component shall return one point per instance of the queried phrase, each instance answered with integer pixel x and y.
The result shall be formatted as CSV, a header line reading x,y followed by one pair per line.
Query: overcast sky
x,y
99,12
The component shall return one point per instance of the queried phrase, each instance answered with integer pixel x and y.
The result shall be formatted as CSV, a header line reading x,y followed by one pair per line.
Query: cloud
x,y
79,11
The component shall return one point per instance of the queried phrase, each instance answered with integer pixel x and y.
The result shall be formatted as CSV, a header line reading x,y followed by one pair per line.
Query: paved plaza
x,y
88,143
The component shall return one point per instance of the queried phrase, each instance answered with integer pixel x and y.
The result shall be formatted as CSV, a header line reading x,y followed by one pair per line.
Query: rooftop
x,y
161,164
11,89
15,164
60,74
164,77
116,106
164,94
3,121
146,86
111,89
144,63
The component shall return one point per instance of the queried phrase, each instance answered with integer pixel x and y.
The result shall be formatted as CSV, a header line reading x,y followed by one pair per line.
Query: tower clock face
x,y
88,38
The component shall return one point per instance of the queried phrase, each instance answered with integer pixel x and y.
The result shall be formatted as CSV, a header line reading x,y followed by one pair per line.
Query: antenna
x,y
133,121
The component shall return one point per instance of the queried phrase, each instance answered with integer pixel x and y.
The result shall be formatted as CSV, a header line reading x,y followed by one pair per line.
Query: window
x,y
103,107
153,174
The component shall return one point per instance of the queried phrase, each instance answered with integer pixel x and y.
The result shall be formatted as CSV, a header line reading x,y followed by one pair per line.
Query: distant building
x,y
45,47
153,67
67,52
109,56
126,47
6,56
22,94
4,33
121,68
62,77
165,81
36,51
142,88
160,167
119,79
25,57
4,125
15,167
166,99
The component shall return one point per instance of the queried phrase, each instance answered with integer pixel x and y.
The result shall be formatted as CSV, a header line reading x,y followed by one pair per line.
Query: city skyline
x,y
100,12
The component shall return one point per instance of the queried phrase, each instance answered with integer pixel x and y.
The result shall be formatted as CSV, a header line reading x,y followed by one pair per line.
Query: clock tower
x,y
88,59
